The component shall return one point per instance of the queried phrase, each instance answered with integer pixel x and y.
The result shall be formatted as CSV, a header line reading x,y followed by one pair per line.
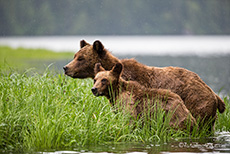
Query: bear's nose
x,y
94,90
65,68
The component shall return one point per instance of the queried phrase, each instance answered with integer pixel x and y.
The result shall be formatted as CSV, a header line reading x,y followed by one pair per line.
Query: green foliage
x,y
120,17
223,122
50,111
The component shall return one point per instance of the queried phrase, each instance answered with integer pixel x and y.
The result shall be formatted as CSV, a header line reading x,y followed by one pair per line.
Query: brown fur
x,y
137,99
200,100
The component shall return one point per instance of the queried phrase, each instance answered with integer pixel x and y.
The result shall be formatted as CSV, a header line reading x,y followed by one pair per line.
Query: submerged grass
x,y
54,111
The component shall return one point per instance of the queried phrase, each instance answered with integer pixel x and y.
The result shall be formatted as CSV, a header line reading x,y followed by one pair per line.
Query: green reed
x,y
40,111
223,120
54,111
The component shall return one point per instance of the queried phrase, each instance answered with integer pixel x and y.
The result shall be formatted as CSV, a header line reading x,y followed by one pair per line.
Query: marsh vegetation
x,y
42,110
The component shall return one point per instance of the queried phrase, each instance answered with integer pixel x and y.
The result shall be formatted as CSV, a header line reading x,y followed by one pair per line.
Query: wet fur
x,y
137,99
199,99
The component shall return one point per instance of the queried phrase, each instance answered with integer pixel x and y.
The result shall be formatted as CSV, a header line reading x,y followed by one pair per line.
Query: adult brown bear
x,y
200,100
131,97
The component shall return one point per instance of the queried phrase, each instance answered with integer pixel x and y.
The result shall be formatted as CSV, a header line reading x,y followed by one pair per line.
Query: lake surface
x,y
208,56
131,45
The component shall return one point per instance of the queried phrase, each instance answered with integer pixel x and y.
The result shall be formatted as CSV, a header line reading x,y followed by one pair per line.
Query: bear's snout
x,y
65,68
94,91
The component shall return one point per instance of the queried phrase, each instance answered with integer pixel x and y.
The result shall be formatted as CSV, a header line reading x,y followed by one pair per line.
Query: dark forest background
x,y
117,17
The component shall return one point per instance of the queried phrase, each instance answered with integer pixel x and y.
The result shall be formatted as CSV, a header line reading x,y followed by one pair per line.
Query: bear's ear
x,y
99,48
98,68
83,43
117,69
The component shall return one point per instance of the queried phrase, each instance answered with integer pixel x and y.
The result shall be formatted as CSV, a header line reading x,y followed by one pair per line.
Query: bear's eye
x,y
103,81
80,58
94,81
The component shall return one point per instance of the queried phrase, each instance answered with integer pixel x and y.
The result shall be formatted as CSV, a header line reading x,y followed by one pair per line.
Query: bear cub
x,y
137,99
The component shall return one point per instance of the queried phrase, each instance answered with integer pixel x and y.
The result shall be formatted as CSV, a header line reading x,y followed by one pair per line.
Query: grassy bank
x,y
22,58
52,111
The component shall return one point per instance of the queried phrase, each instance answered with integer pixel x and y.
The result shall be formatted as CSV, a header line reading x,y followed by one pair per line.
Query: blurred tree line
x,y
118,17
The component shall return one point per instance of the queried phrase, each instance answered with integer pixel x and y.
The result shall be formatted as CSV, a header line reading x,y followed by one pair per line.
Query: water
x,y
218,144
208,56
131,45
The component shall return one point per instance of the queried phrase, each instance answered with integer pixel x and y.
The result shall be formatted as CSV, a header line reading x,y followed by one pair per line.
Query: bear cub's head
x,y
105,82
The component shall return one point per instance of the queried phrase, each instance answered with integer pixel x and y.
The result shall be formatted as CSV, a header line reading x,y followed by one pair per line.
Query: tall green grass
x,y
223,120
50,111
